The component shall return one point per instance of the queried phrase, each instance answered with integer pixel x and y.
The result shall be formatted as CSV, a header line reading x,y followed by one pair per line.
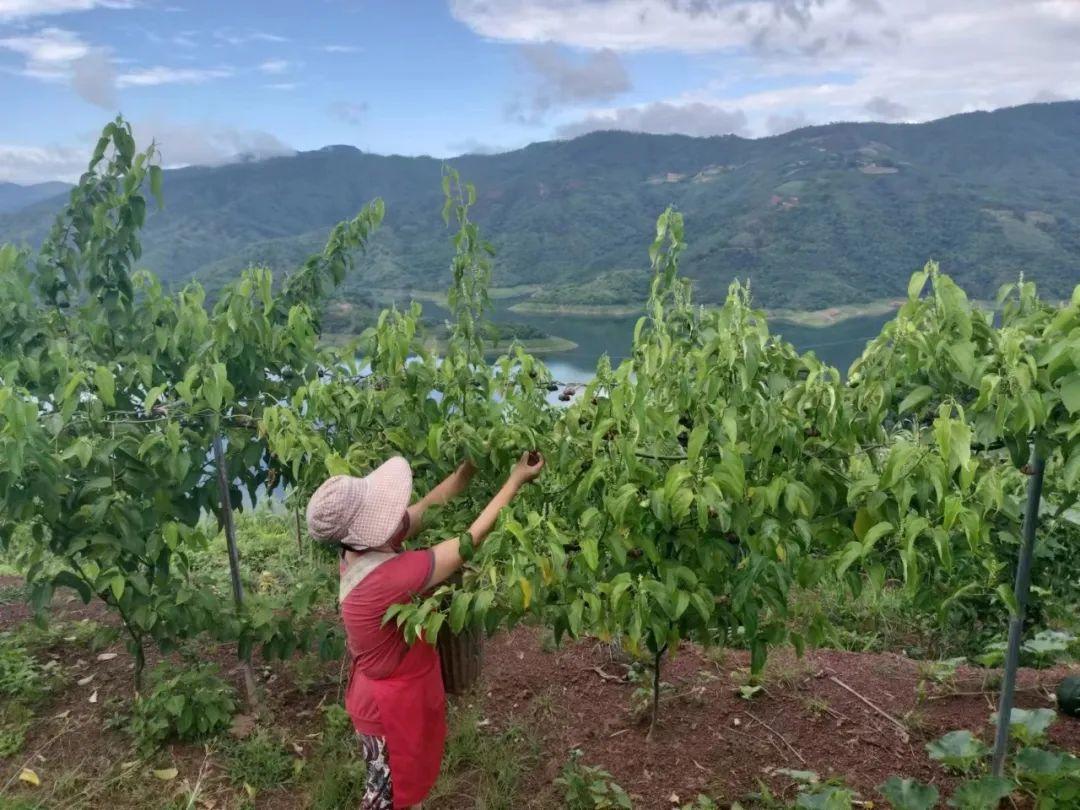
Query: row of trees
x,y
688,489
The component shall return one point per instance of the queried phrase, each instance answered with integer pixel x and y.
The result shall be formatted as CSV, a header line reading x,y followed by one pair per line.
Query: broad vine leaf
x,y
981,794
958,750
1029,726
909,794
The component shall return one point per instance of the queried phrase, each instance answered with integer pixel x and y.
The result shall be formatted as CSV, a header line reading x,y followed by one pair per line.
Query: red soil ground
x,y
709,739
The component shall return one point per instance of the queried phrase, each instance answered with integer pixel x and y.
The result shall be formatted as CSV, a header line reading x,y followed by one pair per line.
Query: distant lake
x,y
839,344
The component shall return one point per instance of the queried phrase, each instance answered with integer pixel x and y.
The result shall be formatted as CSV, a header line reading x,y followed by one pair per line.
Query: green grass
x,y
334,776
484,764
261,762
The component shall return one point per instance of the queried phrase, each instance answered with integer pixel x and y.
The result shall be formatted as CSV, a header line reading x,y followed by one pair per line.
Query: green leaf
x,y
916,398
1028,726
1035,764
1070,392
876,532
68,579
826,798
696,441
1006,595
981,794
590,550
908,794
916,284
155,185
459,610
117,586
958,750
336,465
80,449
105,384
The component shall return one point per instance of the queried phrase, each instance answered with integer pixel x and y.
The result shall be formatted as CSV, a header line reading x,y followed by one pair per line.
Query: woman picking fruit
x,y
395,694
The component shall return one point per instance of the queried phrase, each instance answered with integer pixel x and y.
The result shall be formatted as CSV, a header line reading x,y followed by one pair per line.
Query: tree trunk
x,y
657,660
251,692
299,537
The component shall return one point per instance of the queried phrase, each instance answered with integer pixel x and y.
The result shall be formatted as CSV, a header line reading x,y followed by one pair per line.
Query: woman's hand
x,y
527,468
462,476
448,552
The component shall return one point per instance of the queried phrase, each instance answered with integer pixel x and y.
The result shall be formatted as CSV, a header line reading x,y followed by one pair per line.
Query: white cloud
x,y
275,66
340,48
161,74
474,146
779,123
923,58
560,79
93,78
228,36
48,52
34,164
350,112
283,85
181,144
56,54
886,109
11,10
663,118
185,39
207,144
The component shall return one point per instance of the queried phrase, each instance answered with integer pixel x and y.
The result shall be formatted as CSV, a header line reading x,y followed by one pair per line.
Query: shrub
x,y
590,787
261,762
193,704
15,720
21,676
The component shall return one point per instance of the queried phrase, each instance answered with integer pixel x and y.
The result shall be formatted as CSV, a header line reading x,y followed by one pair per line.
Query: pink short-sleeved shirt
x,y
379,649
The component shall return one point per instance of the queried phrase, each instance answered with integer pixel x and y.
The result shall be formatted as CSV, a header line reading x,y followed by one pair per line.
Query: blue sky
x,y
212,79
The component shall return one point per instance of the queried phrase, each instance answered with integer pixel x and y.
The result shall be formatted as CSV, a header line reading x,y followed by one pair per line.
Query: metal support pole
x,y
1016,621
234,560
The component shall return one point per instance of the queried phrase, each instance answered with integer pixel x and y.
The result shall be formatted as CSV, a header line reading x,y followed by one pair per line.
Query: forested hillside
x,y
823,215
14,197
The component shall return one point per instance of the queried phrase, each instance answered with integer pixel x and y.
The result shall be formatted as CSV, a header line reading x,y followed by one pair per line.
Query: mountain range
x,y
816,217
13,196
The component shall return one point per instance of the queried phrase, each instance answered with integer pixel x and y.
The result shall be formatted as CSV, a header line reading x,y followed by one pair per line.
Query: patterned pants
x,y
379,791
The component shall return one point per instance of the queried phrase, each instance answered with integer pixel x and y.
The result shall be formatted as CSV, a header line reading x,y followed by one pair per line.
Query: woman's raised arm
x,y
446,490
448,552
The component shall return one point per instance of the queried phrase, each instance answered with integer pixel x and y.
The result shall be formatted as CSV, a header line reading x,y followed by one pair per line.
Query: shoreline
x,y
552,344
830,316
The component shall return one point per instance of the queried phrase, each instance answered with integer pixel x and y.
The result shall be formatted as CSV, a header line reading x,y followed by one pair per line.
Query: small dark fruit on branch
x,y
532,374
534,458
634,553
552,387
731,537
1027,469
564,397
811,432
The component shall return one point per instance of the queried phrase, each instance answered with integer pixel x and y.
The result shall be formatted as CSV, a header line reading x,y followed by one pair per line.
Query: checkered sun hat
x,y
361,512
